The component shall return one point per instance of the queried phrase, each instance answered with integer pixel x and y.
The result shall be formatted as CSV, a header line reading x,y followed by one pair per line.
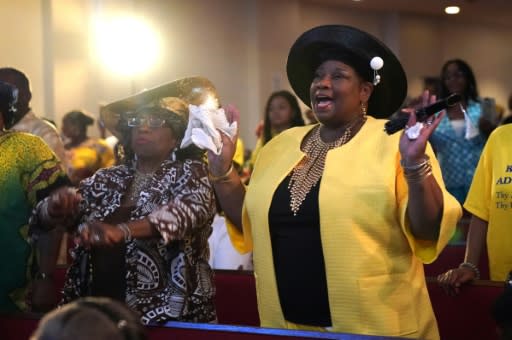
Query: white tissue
x,y
413,132
204,123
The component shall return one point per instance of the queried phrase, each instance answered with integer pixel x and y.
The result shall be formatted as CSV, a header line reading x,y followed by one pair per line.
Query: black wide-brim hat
x,y
355,48
194,90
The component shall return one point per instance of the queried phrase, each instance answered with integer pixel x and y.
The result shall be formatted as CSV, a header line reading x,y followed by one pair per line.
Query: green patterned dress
x,y
29,170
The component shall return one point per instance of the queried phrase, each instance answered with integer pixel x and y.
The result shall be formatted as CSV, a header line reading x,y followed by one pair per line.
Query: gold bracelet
x,y
425,161
222,177
471,266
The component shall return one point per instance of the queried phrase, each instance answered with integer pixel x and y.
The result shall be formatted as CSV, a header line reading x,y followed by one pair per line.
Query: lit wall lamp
x,y
452,9
126,45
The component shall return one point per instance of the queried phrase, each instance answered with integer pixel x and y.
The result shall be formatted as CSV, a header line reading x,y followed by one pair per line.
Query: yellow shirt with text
x,y
490,198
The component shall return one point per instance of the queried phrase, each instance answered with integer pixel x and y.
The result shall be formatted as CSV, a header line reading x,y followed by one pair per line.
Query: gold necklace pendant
x,y
310,169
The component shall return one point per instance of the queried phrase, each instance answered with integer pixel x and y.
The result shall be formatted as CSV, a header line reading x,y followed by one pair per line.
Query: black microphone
x,y
398,123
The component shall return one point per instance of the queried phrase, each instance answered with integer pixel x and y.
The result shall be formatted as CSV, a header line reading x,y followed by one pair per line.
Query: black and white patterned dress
x,y
167,278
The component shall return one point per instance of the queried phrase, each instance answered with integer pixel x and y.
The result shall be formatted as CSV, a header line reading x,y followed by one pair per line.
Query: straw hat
x,y
192,90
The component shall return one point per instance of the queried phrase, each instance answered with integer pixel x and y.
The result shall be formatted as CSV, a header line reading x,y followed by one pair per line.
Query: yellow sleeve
x,y
255,152
82,158
106,154
425,250
479,197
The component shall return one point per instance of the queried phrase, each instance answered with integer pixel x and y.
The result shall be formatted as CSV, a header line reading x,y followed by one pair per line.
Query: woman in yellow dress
x,y
341,216
85,155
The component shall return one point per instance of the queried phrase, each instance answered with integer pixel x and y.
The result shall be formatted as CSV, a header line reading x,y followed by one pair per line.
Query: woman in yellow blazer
x,y
341,216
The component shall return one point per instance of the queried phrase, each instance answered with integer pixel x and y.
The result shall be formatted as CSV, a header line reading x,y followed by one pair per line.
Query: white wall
x,y
241,45
21,42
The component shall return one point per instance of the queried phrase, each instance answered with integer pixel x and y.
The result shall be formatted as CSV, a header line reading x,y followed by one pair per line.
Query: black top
x,y
298,258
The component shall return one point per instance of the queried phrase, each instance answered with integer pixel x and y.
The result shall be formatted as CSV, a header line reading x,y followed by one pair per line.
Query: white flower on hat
x,y
376,64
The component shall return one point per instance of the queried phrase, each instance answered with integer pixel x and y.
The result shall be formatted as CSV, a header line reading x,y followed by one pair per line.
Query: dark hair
x,y
19,80
90,318
8,97
176,122
79,118
22,81
471,90
296,119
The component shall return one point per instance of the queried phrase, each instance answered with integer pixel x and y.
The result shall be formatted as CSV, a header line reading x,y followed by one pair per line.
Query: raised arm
x,y
227,184
425,205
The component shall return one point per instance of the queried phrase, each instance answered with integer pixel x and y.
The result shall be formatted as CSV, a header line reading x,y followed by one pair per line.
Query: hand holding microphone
x,y
398,123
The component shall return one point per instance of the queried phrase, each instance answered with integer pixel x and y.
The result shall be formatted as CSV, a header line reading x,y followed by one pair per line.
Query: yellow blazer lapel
x,y
275,162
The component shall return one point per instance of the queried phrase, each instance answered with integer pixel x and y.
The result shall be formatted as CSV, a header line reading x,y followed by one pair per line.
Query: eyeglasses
x,y
150,121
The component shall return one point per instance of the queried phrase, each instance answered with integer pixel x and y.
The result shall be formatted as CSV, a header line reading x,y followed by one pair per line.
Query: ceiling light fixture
x,y
452,10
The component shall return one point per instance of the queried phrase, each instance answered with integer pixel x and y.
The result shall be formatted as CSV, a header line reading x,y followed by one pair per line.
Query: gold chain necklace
x,y
309,170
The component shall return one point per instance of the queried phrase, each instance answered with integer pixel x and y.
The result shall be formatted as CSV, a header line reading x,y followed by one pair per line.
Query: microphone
x,y
398,123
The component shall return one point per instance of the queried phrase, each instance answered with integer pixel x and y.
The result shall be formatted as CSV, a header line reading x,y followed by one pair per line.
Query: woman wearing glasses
x,y
144,225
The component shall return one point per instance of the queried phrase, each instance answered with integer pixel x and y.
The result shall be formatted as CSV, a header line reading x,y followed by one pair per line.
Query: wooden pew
x,y
186,331
20,327
451,257
235,298
466,316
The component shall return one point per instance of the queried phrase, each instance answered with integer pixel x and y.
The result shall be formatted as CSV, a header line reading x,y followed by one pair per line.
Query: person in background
x,y
340,215
490,202
458,141
85,155
96,318
492,114
110,140
29,172
144,224
508,118
25,120
282,112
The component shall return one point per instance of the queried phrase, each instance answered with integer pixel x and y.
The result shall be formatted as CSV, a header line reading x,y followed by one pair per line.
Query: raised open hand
x,y
413,145
220,164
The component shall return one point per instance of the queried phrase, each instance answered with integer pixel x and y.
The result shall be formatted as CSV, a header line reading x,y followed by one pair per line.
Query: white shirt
x,y
222,253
